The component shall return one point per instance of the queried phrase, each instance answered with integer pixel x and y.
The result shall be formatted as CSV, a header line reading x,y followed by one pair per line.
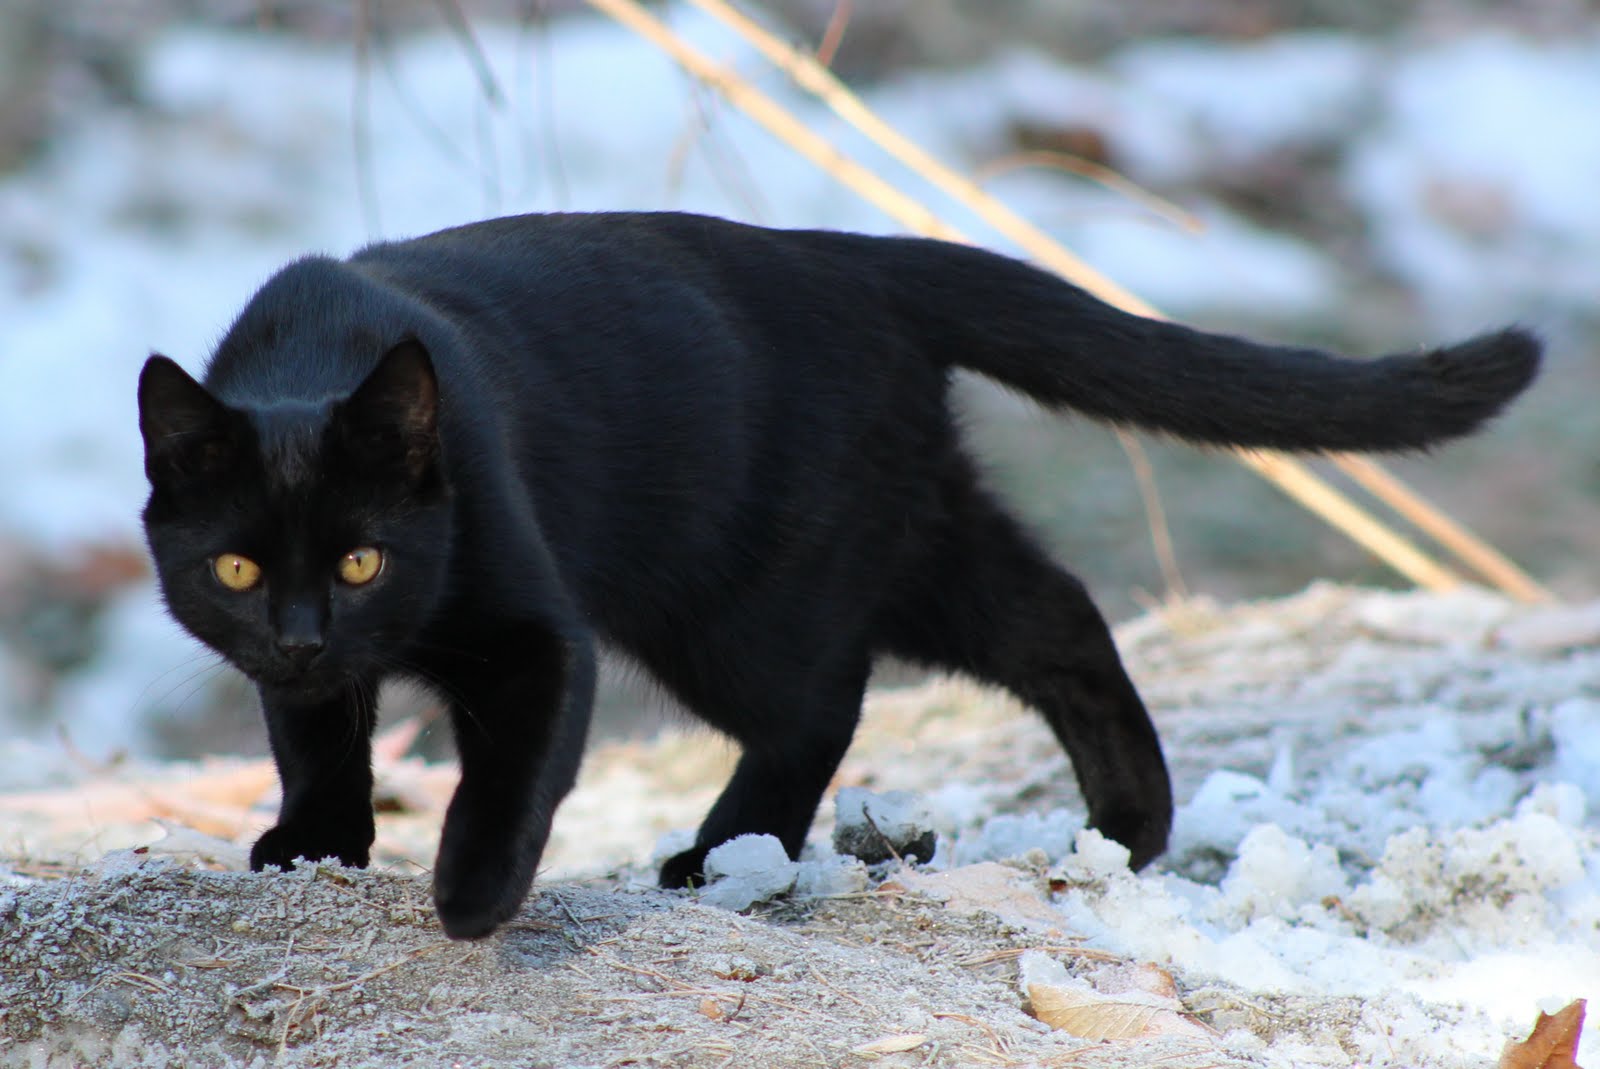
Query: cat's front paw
x,y
282,844
475,911
474,896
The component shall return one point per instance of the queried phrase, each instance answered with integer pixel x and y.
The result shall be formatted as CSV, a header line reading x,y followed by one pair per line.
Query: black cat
x,y
725,451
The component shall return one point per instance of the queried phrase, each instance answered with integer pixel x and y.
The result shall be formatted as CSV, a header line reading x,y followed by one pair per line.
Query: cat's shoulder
x,y
309,279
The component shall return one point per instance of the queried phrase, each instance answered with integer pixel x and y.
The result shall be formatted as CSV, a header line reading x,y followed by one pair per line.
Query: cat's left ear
x,y
394,413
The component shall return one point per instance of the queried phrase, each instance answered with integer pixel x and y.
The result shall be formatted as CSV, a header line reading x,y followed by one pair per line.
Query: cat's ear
x,y
394,414
187,432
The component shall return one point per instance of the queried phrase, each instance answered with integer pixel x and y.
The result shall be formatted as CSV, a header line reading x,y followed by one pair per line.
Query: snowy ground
x,y
1386,855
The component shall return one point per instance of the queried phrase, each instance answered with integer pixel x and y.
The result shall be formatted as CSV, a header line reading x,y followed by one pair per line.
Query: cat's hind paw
x,y
1144,833
684,870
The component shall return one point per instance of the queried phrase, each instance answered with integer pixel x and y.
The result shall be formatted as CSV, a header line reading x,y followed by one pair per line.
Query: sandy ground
x,y
130,937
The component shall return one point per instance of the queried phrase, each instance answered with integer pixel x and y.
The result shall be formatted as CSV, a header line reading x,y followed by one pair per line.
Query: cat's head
x,y
305,541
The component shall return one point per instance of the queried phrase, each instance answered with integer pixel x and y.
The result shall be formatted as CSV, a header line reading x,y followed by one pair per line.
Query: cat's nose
x,y
300,624
300,651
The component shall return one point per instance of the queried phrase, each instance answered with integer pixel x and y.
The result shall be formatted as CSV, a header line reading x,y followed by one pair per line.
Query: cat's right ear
x,y
185,429
393,416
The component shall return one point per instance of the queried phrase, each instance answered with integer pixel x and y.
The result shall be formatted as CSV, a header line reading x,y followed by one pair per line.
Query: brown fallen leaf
x,y
392,744
196,849
1118,978
1554,629
892,1044
228,784
216,801
1553,1043
988,887
1087,1014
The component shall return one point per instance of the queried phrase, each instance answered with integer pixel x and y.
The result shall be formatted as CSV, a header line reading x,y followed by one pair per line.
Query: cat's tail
x,y
1061,346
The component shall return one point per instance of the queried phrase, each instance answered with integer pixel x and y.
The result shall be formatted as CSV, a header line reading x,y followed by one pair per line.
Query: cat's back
x,y
672,329
623,315
649,264
563,269
627,320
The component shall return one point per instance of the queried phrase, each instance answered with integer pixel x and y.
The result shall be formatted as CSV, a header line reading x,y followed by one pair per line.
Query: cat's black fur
x,y
725,451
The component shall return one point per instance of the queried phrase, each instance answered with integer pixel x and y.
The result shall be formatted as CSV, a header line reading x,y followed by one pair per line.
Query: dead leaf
x,y
710,1008
1553,1043
988,887
198,850
1117,978
216,801
1554,629
892,1044
392,745
1088,1014
226,784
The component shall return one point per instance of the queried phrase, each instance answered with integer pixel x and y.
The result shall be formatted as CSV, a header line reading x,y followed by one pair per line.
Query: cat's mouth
x,y
319,679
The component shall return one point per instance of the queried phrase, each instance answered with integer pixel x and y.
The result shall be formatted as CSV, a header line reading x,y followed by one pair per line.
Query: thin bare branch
x,y
833,33
462,29
361,120
1095,172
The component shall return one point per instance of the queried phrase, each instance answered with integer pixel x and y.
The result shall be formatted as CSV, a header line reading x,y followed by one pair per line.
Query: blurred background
x,y
1353,173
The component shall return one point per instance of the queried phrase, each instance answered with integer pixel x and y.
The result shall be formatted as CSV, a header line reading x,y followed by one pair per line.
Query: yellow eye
x,y
360,565
236,572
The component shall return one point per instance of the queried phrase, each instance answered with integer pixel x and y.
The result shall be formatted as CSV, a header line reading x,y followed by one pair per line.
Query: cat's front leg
x,y
520,716
323,750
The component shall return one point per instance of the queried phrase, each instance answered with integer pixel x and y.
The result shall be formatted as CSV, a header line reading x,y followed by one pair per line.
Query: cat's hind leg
x,y
794,733
983,599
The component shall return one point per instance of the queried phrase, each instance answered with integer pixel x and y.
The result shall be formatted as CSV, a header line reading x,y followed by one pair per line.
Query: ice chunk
x,y
747,870
1277,873
832,874
1095,858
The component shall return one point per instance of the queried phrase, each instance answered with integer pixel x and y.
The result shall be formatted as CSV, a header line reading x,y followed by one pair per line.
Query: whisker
x,y
192,685
204,653
355,727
